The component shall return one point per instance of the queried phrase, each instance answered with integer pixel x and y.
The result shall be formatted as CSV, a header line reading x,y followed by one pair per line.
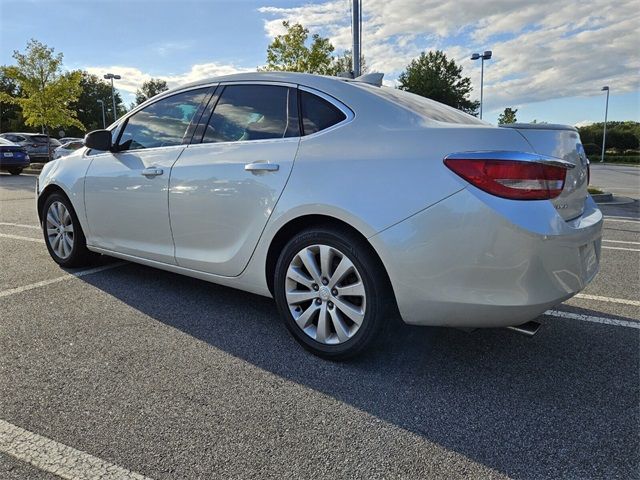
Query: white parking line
x,y
622,248
19,225
57,458
18,237
621,220
68,276
608,217
589,318
621,241
623,301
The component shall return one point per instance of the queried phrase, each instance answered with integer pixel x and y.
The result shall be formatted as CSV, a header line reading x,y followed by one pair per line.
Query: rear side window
x,y
39,138
163,123
317,113
252,112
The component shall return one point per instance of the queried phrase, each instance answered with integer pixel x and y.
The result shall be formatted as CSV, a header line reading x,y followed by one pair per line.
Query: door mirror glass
x,y
98,140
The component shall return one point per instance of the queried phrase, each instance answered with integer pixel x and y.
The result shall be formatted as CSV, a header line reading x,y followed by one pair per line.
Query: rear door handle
x,y
261,167
152,172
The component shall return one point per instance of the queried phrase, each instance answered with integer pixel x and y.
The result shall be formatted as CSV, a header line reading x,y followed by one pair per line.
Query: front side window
x,y
317,113
73,145
251,112
163,123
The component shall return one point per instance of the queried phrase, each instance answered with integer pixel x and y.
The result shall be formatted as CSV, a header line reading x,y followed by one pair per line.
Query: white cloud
x,y
133,78
542,50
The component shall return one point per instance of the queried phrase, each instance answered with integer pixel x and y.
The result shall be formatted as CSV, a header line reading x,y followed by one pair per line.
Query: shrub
x,y
616,159
592,149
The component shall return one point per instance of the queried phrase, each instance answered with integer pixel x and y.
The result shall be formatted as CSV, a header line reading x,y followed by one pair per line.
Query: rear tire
x,y
15,171
63,234
339,309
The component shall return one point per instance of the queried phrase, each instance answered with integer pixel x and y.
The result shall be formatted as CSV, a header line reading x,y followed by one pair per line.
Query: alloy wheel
x,y
59,225
325,294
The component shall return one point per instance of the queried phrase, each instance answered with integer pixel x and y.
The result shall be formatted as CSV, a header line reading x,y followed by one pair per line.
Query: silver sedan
x,y
348,202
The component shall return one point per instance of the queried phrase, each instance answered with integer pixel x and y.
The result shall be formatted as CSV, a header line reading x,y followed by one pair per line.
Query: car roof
x,y
318,82
30,134
287,77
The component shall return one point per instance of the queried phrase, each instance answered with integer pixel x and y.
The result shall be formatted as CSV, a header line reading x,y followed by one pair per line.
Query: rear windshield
x,y
38,138
424,106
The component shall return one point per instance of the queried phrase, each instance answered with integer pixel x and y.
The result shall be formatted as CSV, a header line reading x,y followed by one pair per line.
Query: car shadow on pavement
x,y
555,405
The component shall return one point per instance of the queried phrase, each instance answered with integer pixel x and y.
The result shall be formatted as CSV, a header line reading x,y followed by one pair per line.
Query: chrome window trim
x,y
349,114
510,155
240,142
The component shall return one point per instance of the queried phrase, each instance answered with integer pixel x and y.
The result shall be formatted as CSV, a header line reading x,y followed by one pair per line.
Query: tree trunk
x,y
48,144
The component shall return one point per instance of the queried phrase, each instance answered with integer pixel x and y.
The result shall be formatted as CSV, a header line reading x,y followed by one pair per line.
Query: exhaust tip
x,y
528,329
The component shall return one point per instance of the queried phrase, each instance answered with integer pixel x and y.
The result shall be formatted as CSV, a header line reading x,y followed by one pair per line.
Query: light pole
x,y
356,24
604,133
104,123
485,56
112,77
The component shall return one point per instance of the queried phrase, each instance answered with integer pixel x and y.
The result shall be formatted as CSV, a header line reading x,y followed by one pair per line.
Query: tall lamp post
x,y
356,24
112,77
104,123
604,133
485,56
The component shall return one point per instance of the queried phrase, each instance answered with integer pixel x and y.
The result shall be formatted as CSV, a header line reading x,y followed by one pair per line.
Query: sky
x,y
550,58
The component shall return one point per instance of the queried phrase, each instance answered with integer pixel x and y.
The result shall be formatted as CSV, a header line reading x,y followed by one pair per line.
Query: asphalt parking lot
x,y
123,370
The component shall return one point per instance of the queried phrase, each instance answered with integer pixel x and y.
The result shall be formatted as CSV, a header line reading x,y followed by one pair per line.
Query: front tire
x,y
332,292
15,171
63,234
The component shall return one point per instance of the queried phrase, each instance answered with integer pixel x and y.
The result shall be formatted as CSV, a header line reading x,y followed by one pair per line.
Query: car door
x,y
223,189
126,190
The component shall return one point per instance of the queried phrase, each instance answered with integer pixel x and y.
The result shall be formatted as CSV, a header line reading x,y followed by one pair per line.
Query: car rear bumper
x,y
474,260
14,162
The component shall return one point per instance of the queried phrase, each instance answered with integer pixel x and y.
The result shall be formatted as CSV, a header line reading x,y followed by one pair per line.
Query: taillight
x,y
513,179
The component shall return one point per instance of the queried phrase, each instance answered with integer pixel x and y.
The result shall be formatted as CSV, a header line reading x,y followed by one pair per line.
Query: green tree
x,y
508,116
10,114
45,92
344,63
289,52
87,107
149,89
621,136
434,76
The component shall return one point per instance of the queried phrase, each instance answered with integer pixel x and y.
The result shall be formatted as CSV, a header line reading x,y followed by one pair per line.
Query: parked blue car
x,y
13,158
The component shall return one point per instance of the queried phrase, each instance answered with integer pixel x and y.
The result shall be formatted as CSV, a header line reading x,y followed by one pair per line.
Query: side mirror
x,y
98,140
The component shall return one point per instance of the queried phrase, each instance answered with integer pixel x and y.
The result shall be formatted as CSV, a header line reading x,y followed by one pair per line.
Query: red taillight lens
x,y
513,179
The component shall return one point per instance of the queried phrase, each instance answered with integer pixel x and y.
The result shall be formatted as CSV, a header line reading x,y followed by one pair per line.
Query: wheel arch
x,y
48,190
297,225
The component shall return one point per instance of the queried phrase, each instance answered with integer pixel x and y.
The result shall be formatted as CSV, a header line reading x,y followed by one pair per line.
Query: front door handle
x,y
152,172
261,167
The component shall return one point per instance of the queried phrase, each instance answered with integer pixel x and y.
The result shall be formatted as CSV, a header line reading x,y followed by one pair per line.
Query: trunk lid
x,y
561,141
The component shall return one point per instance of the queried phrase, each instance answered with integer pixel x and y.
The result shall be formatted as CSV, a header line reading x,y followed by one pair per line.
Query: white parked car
x,y
67,148
345,201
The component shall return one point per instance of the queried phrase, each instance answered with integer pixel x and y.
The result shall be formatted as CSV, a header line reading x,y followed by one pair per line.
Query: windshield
x,y
423,106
